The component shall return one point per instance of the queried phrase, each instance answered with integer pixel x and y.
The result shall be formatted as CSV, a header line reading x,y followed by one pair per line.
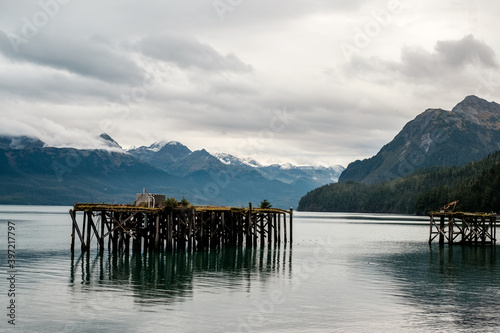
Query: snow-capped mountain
x,y
229,159
161,154
178,160
287,172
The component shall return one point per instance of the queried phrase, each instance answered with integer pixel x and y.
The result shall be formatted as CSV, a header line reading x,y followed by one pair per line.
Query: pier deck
x,y
463,228
182,228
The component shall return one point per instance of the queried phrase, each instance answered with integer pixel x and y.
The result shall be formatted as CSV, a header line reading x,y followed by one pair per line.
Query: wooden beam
x,y
120,225
96,233
72,213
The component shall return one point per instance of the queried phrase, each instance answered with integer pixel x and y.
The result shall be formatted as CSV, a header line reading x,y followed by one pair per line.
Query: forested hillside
x,y
475,185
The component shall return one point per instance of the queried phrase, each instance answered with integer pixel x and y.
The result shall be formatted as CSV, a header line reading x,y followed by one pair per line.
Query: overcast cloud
x,y
306,82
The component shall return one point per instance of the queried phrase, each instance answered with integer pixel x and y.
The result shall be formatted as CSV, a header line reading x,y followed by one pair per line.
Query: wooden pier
x,y
127,227
463,228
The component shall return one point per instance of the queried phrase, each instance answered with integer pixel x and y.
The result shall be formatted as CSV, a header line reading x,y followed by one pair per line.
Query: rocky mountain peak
x,y
20,142
479,111
109,141
474,102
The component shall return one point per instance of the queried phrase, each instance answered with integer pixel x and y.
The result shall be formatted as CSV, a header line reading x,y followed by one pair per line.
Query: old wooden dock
x,y
125,227
463,228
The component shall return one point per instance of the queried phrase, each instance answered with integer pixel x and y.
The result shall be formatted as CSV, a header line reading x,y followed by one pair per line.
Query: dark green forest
x,y
475,185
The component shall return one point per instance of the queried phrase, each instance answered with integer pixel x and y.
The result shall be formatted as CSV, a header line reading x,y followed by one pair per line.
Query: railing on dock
x,y
463,228
126,227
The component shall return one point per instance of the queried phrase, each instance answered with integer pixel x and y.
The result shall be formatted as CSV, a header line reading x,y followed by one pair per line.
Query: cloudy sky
x,y
308,82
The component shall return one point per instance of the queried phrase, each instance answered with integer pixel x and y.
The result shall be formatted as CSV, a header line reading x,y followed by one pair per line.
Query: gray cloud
x,y
468,50
56,87
449,58
188,52
93,57
449,55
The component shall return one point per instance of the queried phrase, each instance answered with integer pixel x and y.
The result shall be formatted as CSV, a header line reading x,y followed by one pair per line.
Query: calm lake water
x,y
344,273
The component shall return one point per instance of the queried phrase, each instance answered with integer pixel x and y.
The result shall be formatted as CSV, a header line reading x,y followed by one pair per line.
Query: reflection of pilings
x,y
448,258
462,228
171,275
180,229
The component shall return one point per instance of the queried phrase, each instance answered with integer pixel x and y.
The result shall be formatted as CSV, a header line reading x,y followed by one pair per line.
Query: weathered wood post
x,y
235,229
275,220
103,221
494,228
475,229
269,228
222,238
284,228
127,243
188,230
441,227
110,234
96,233
254,220
483,233
291,226
450,229
84,229
201,242
120,234
230,221
248,226
431,217
157,233
279,227
89,219
182,231
262,230
71,213
145,233
170,224
163,231
212,230
240,229
136,242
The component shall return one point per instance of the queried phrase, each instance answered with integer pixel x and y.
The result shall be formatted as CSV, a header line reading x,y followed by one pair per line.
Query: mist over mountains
x,y
32,173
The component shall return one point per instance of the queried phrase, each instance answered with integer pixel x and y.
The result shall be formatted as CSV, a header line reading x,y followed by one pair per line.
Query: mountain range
x,y
178,160
32,173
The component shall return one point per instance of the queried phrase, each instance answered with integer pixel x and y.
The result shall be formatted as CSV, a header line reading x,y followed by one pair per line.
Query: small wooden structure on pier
x,y
177,229
463,228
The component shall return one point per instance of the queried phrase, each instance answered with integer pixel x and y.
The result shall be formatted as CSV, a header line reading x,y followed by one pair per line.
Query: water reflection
x,y
453,287
167,277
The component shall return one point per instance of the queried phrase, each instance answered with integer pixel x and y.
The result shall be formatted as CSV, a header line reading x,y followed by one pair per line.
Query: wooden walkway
x,y
463,228
126,227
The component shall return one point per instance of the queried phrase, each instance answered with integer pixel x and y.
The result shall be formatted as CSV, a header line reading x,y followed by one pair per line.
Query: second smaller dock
x,y
463,228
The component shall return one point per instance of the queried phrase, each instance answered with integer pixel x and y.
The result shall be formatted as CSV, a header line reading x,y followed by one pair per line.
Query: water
x,y
344,273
